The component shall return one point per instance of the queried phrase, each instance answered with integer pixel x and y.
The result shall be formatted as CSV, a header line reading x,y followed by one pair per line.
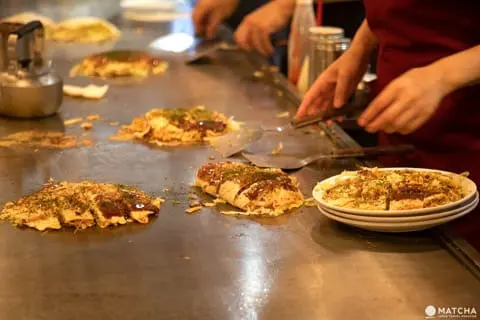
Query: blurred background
x,y
61,9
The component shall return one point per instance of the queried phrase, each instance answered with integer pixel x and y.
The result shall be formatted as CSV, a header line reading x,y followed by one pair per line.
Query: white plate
x,y
155,10
430,216
468,186
396,227
149,5
155,16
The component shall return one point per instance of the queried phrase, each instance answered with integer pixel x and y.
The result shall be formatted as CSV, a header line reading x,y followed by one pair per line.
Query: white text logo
x,y
432,312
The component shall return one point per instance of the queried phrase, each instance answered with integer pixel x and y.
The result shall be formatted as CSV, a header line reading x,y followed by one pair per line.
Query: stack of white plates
x,y
399,220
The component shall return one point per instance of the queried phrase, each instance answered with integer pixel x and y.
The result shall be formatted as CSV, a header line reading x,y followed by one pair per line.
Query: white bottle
x,y
298,43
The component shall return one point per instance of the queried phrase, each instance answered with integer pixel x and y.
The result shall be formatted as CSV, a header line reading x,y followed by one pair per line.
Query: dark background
x,y
347,15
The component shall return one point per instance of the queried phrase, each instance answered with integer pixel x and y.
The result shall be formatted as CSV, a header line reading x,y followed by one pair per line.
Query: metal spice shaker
x,y
326,45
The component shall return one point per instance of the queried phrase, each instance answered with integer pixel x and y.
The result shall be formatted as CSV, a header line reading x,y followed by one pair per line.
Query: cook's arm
x,y
339,81
364,43
459,70
413,98
255,30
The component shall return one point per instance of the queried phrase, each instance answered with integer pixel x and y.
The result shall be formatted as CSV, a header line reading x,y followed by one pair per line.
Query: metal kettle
x,y
28,87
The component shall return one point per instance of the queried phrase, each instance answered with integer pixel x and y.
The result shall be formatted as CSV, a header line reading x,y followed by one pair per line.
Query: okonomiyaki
x,y
42,139
173,127
81,205
84,30
374,189
120,63
269,192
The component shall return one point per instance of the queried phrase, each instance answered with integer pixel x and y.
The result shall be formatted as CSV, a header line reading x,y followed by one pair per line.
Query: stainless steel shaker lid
x,y
326,31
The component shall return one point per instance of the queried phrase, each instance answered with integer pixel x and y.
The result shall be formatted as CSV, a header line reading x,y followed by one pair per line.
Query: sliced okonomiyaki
x,y
374,189
257,191
81,205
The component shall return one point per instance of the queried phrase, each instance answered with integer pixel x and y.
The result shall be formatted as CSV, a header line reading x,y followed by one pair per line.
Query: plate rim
x,y
146,5
317,195
405,225
404,219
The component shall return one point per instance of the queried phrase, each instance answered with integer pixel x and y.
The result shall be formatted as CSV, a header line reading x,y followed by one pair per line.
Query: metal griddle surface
x,y
204,266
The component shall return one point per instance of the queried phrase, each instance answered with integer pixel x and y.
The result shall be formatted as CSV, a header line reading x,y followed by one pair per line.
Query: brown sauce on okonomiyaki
x,y
112,208
128,56
268,185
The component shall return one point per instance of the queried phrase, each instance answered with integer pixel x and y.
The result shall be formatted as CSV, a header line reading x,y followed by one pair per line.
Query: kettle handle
x,y
25,42
28,28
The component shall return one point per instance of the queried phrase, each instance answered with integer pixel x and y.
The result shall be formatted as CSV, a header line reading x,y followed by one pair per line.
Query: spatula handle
x,y
297,124
327,114
373,151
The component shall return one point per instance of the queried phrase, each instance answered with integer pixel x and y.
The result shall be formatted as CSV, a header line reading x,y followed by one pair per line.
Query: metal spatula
x,y
208,48
291,162
235,142
232,143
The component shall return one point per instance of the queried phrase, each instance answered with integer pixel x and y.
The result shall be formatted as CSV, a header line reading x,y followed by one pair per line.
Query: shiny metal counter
x,y
204,266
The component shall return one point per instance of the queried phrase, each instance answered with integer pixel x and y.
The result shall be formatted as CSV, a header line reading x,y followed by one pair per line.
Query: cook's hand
x,y
208,14
335,85
407,103
255,30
